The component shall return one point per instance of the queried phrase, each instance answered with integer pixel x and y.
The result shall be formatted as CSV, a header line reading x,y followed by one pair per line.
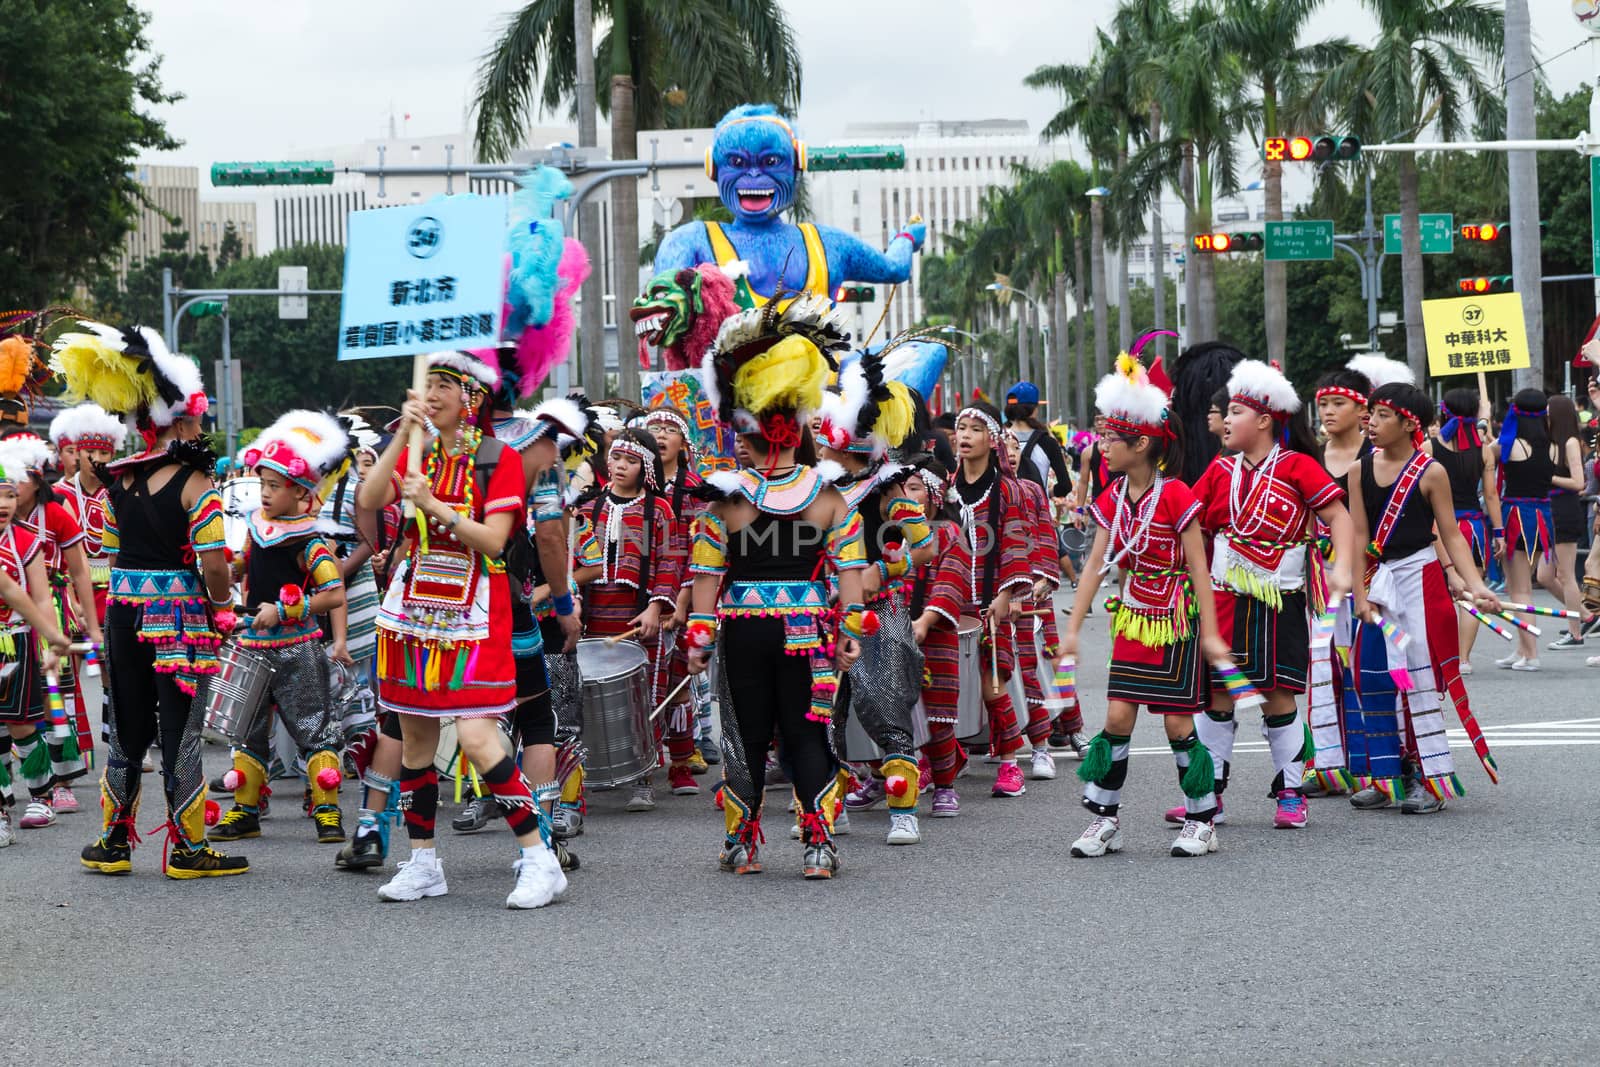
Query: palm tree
x,y
1264,35
1426,69
672,65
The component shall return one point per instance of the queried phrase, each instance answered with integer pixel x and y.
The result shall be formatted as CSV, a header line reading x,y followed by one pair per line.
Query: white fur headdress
x,y
88,426
25,451
1381,370
1130,403
1263,388
304,446
466,366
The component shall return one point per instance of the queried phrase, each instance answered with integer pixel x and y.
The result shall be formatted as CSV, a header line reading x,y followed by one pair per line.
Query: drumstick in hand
x,y
675,691
622,636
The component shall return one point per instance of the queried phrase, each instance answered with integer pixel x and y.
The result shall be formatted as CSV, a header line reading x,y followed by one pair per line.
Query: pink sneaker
x,y
1180,814
63,800
1008,782
38,815
924,776
1292,810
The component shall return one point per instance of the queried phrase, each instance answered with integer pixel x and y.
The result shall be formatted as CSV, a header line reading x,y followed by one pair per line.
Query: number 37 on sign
x,y
1475,333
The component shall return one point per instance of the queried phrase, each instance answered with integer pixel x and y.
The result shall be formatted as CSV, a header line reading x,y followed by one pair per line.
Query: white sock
x,y
425,855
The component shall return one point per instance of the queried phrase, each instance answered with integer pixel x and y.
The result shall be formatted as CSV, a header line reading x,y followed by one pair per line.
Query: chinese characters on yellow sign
x,y
1475,333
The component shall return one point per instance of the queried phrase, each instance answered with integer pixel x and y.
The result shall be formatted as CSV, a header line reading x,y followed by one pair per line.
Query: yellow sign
x,y
1475,333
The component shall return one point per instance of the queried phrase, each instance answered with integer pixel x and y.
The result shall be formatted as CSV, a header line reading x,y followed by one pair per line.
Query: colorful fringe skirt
x,y
1272,647
1528,528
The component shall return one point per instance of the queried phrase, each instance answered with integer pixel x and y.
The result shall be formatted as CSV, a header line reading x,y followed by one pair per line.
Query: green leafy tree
x,y
231,249
290,363
74,85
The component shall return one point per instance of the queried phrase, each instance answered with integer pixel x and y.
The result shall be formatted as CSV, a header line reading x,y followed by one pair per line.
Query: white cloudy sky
x,y
265,79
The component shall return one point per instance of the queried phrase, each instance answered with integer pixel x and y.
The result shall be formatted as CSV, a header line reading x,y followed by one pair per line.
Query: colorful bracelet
x,y
563,604
291,603
700,631
1498,535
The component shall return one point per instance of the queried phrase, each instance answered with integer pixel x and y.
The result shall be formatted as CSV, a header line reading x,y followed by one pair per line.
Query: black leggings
x,y
771,693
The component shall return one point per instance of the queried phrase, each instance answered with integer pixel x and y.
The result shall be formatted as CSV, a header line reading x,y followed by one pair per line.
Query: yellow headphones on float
x,y
795,143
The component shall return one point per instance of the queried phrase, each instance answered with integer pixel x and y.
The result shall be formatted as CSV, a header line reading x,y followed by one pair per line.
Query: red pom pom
x,y
290,595
226,621
251,457
869,622
213,812
329,778
896,785
232,780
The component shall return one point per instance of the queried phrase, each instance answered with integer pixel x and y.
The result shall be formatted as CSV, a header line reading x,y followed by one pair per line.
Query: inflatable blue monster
x,y
755,161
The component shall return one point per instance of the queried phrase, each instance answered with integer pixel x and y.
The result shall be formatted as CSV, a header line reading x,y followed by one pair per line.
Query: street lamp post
x,y
964,381
1044,332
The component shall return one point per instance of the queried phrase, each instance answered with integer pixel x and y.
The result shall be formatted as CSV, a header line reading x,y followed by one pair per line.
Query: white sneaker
x,y
1195,839
414,879
1465,669
37,815
794,831
903,828
148,766
841,824
1526,665
7,834
643,799
1044,765
539,879
1103,835
1505,663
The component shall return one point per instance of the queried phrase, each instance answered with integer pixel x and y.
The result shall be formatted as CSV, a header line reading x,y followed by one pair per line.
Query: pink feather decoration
x,y
540,349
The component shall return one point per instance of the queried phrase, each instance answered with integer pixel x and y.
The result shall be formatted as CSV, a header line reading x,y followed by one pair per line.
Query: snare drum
x,y
615,696
235,695
972,716
448,759
859,747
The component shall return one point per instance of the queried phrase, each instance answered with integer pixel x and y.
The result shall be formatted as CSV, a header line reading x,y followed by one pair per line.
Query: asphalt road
x,y
1466,937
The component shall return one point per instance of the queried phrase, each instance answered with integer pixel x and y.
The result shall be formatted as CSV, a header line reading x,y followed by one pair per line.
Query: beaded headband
x,y
1339,390
937,489
976,413
646,458
1129,428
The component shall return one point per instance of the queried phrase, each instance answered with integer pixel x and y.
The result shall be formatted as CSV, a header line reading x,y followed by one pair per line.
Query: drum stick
x,y
419,383
1525,627
994,652
1467,606
675,691
1534,609
622,636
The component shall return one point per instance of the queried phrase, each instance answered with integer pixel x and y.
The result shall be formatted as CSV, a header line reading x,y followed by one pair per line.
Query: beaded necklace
x,y
1251,524
437,465
1143,519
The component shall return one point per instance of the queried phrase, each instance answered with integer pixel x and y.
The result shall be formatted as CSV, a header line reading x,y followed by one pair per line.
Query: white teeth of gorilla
x,y
648,323
756,192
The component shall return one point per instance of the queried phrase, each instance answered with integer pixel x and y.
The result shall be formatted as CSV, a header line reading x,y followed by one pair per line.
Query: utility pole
x,y
591,312
1523,171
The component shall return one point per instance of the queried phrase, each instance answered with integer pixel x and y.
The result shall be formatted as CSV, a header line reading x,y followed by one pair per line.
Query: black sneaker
x,y
364,851
107,858
568,859
1565,641
236,825
330,831
204,862
710,751
477,815
219,784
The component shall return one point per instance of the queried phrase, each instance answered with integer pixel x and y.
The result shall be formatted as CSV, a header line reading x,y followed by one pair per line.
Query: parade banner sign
x,y
1475,333
680,390
423,278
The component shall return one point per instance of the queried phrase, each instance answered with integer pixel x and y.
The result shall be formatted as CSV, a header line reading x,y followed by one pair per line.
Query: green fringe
x,y
69,745
1200,777
1096,762
460,677
5,773
37,765
1252,585
1308,747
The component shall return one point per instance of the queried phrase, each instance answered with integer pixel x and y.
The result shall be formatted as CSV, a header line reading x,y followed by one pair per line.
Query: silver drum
x,y
617,733
972,716
235,695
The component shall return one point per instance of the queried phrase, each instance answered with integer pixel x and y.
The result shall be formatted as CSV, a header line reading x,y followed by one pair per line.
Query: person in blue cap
x,y
1041,452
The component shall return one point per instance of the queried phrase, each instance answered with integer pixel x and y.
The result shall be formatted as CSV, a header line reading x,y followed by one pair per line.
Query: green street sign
x,y
1438,233
1300,240
1594,209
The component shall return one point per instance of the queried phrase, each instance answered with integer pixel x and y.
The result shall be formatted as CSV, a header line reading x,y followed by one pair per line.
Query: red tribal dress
x,y
1037,637
444,630
88,509
641,563
1155,648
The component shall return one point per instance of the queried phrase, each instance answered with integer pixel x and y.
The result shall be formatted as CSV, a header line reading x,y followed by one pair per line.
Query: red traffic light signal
x,y
1485,231
1323,149
854,294
1222,242
1491,283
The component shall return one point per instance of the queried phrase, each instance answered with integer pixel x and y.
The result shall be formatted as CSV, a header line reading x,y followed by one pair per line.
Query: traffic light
x,y
1485,283
1485,231
206,309
288,172
1223,242
1323,149
856,157
854,294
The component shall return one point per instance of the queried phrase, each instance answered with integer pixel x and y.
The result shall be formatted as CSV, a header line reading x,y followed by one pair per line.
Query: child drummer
x,y
291,576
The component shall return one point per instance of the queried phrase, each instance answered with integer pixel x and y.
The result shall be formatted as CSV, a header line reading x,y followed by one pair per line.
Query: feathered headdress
x,y
307,447
25,451
1381,371
869,414
1130,403
89,426
363,438
769,363
473,373
1262,388
130,372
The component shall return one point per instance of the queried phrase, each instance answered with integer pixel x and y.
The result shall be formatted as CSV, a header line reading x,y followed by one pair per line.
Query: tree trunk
x,y
625,234
1097,281
591,314
1523,170
1124,309
1158,245
1080,383
1058,347
1024,341
1275,273
1191,275
1411,276
1204,312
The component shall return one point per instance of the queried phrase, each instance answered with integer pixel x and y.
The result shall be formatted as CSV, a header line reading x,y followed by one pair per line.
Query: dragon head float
x,y
681,310
756,160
